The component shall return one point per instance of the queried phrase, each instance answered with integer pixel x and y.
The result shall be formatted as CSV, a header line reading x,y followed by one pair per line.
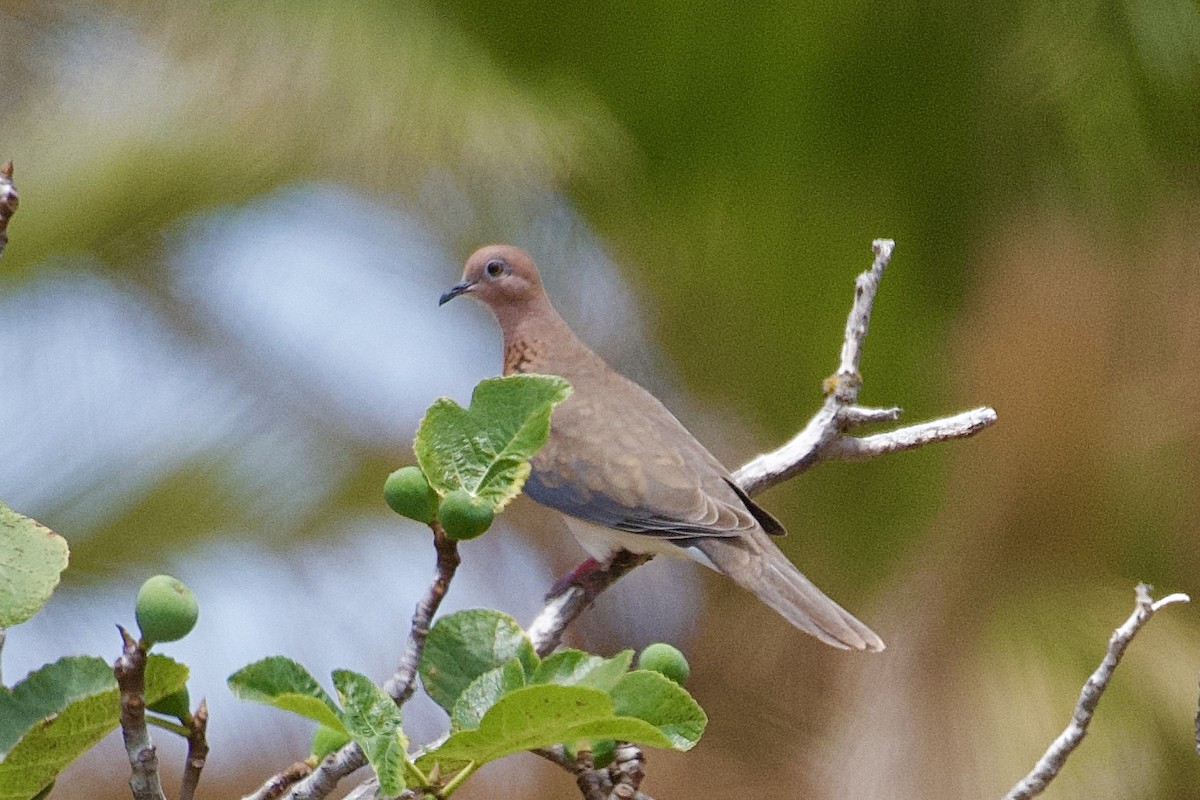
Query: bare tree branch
x,y
130,672
279,783
563,609
197,753
614,782
1052,760
401,685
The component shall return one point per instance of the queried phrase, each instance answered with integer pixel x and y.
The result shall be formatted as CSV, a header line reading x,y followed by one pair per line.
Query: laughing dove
x,y
628,472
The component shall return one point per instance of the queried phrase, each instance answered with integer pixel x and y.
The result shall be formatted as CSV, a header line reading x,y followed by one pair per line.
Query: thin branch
x,y
3,635
560,611
130,672
615,782
8,201
1052,760
401,685
321,781
197,754
628,768
277,784
959,426
859,321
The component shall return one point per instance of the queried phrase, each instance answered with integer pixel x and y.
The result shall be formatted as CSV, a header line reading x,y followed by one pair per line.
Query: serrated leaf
x,y
373,720
663,703
577,668
540,716
281,682
464,645
73,703
31,559
485,449
484,692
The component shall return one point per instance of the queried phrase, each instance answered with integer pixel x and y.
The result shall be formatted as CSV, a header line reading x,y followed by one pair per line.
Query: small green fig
x,y
409,494
166,609
665,660
178,705
464,516
326,740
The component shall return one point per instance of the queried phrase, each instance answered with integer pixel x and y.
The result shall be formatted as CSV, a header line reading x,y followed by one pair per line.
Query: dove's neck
x,y
535,336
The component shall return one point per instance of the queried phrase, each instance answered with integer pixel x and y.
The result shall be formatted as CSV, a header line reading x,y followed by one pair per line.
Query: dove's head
x,y
502,276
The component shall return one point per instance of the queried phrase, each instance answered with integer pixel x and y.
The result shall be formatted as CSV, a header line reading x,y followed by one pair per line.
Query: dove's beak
x,y
455,291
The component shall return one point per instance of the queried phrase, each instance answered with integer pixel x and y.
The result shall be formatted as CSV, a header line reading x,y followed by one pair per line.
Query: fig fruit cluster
x,y
461,514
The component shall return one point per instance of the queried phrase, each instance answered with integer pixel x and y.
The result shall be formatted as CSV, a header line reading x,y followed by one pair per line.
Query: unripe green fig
x,y
178,705
410,495
166,609
465,516
326,740
666,661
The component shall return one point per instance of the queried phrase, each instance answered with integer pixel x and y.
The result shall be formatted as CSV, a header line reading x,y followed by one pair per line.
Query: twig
x,y
130,672
197,753
322,780
628,768
618,781
277,784
8,201
824,438
401,685
1052,760
560,611
3,634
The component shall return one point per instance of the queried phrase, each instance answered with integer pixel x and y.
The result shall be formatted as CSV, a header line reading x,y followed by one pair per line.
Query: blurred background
x,y
218,331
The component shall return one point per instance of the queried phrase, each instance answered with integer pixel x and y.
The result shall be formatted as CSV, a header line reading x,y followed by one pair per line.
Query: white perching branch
x,y
1052,760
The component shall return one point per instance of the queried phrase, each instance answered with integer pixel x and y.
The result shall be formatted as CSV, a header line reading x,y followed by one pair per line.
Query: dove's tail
x,y
755,563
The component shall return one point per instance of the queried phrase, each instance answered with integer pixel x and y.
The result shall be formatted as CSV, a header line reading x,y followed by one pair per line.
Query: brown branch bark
x,y
197,754
130,672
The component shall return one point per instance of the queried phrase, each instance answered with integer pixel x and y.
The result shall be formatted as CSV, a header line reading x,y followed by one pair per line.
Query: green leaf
x,y
58,712
540,716
31,558
373,720
281,682
464,645
47,692
663,703
484,692
485,449
577,668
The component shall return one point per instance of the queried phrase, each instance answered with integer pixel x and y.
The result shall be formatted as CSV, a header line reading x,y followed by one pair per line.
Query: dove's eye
x,y
495,268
